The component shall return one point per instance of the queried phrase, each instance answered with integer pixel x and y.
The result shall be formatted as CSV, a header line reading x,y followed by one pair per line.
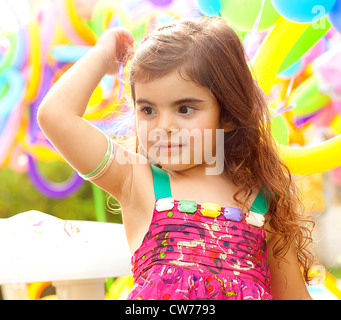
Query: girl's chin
x,y
176,167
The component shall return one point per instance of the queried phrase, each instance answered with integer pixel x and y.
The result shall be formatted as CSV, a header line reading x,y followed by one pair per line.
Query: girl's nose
x,y
167,122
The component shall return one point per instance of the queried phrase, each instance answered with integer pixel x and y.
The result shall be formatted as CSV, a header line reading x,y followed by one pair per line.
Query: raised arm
x,y
60,114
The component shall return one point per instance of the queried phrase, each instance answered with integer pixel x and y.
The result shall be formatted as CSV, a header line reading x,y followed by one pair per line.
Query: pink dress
x,y
187,255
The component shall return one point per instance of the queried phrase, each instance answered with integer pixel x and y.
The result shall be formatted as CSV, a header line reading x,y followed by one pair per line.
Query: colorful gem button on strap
x,y
187,206
211,210
164,204
233,214
256,219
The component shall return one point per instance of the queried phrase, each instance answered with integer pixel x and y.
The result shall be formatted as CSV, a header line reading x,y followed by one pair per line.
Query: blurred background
x,y
41,39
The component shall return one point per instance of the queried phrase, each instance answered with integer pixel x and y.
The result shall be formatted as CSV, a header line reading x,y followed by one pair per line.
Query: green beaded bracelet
x,y
104,165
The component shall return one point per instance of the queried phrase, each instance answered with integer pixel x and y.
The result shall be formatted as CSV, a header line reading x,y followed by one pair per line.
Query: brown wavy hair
x,y
207,51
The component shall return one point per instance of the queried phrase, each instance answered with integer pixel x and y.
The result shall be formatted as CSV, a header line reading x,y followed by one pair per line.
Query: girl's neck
x,y
197,172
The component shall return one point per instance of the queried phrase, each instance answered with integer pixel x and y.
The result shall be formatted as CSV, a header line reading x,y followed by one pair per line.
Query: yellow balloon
x,y
34,62
79,24
103,12
96,97
274,49
39,151
120,288
308,160
336,124
300,160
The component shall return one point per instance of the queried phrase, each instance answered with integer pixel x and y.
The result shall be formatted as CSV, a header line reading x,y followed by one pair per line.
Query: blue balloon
x,y
16,86
210,7
68,53
334,16
293,70
303,11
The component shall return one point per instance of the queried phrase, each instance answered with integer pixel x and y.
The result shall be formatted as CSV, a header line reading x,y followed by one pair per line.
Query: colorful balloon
x,y
312,159
210,7
34,61
66,25
79,24
300,160
242,14
47,18
273,51
327,69
161,3
307,98
334,16
303,11
306,41
52,189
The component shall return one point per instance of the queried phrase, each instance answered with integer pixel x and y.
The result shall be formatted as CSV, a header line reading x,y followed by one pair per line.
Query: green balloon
x,y
242,14
308,39
279,128
8,58
307,98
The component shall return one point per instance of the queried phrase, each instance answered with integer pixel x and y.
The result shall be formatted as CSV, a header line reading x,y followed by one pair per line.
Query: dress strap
x,y
261,204
162,189
161,183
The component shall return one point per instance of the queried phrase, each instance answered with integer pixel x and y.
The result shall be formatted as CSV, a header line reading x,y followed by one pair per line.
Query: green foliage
x,y
17,194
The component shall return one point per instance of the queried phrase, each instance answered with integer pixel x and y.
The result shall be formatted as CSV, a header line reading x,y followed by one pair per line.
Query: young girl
x,y
234,233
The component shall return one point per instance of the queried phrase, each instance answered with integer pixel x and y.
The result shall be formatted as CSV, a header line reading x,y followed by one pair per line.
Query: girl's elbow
x,y
46,116
43,115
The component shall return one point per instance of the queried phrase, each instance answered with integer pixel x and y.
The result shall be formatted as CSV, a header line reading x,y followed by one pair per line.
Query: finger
x,y
125,35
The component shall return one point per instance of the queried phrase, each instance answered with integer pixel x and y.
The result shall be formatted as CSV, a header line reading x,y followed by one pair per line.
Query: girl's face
x,y
177,122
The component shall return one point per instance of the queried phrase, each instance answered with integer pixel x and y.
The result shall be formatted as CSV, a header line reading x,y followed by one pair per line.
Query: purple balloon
x,y
53,189
161,3
303,120
46,84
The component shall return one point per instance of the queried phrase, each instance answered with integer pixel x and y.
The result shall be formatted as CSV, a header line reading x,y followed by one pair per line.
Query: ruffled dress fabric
x,y
189,256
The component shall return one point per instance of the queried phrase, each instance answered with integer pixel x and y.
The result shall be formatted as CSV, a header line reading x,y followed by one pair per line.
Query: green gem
x,y
170,214
143,257
162,254
187,206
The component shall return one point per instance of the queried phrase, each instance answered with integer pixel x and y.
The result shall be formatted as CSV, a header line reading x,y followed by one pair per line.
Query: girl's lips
x,y
170,148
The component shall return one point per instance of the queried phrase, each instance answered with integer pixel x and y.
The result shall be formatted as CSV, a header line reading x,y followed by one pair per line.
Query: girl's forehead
x,y
170,86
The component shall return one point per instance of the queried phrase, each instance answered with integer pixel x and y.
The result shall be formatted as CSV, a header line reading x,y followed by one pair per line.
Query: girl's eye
x,y
186,110
147,110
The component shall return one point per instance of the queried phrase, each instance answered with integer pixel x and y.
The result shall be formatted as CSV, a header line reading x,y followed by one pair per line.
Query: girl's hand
x,y
116,44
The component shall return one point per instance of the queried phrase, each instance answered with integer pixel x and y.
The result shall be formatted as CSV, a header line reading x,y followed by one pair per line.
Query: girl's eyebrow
x,y
177,102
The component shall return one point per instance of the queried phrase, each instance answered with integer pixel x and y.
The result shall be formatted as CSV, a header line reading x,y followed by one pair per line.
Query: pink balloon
x,y
324,117
47,17
337,105
336,175
327,69
315,51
